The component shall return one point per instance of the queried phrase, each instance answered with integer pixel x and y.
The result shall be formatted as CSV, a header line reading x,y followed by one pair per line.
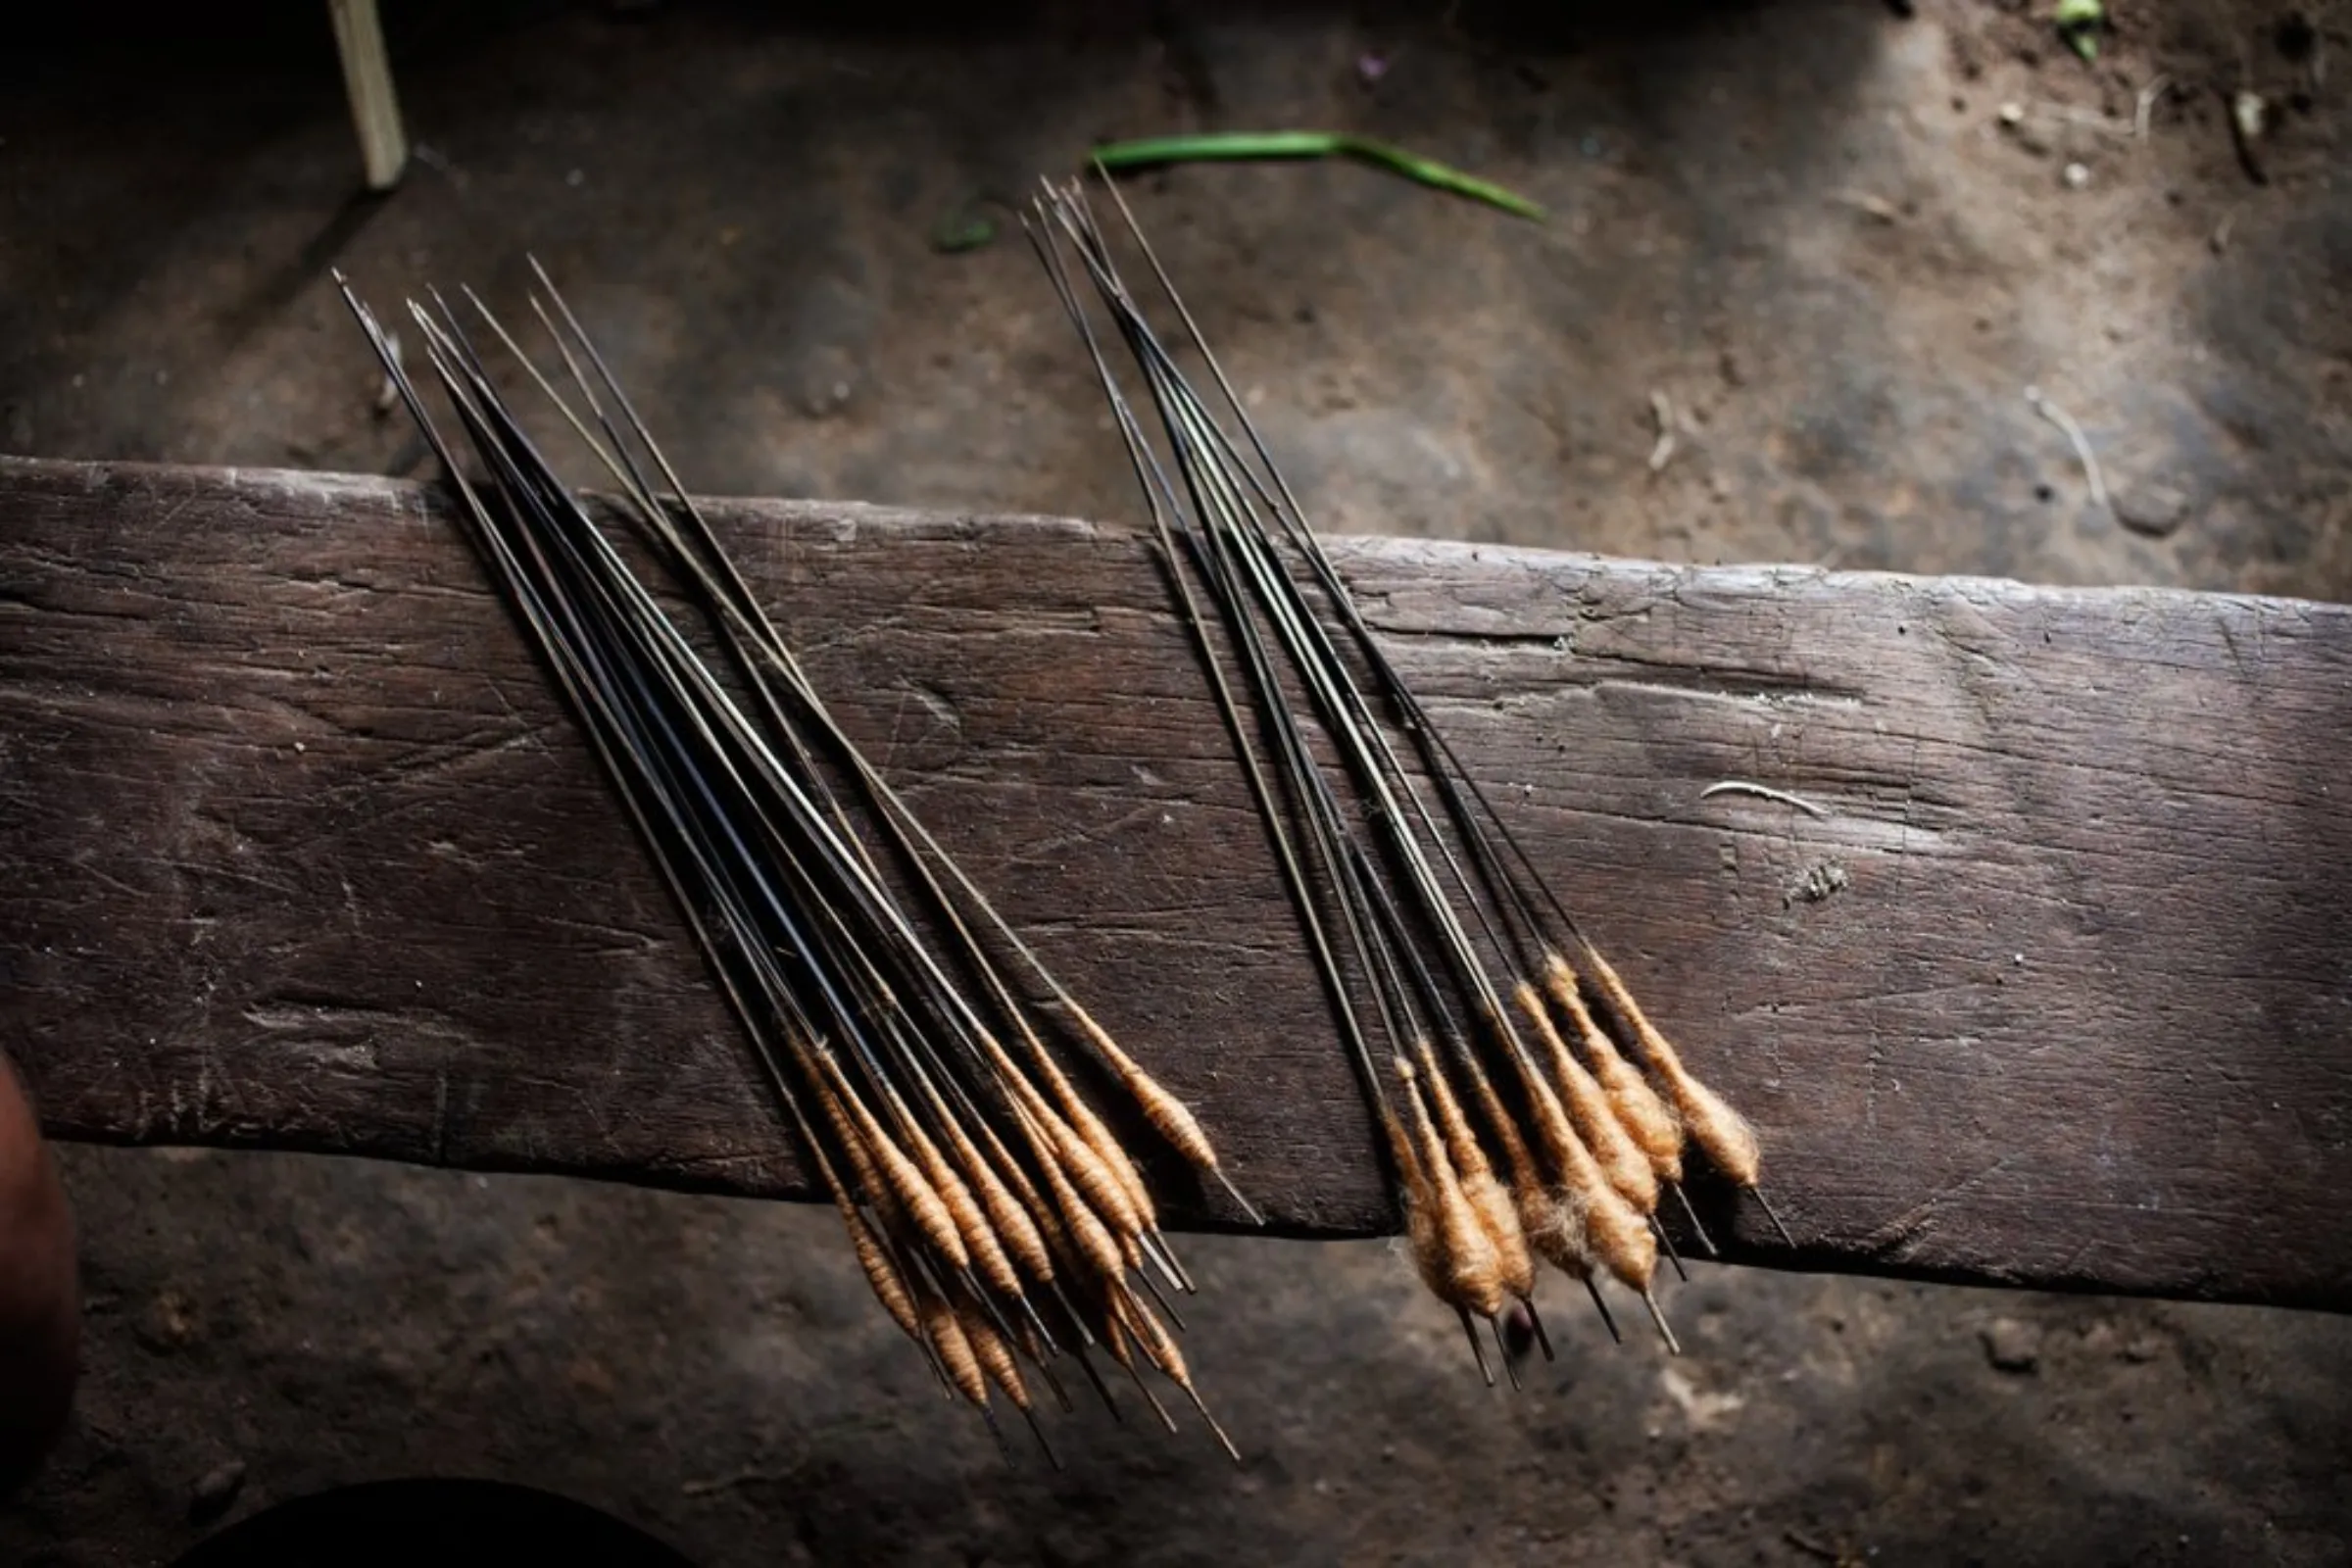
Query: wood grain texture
x,y
307,856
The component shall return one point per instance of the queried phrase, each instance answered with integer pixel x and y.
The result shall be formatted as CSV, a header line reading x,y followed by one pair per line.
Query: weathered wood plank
x,y
306,856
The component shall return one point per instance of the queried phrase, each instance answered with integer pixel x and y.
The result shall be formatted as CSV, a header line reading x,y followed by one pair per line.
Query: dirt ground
x,y
1840,243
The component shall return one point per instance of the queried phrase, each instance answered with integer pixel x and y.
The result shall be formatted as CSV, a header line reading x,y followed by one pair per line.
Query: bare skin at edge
x,y
40,1318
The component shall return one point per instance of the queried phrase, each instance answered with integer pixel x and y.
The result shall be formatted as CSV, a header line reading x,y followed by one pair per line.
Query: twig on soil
x,y
2088,119
1763,792
2074,433
1662,411
2249,118
1809,1547
740,1478
1862,201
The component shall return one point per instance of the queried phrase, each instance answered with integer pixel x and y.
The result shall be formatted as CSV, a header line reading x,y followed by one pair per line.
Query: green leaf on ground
x,y
2078,24
1227,146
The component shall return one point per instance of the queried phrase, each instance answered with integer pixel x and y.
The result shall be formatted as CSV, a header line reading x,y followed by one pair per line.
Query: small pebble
x,y
216,1492
2010,1345
2077,175
2154,509
169,1324
2013,114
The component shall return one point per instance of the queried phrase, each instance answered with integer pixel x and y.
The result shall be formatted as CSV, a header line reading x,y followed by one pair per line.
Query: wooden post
x,y
367,82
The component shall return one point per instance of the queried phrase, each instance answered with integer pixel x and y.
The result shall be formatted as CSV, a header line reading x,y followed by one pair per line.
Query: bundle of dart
x,y
1491,1037
944,1092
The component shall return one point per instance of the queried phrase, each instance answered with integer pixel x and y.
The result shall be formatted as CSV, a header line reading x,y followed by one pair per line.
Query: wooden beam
x,y
2052,990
